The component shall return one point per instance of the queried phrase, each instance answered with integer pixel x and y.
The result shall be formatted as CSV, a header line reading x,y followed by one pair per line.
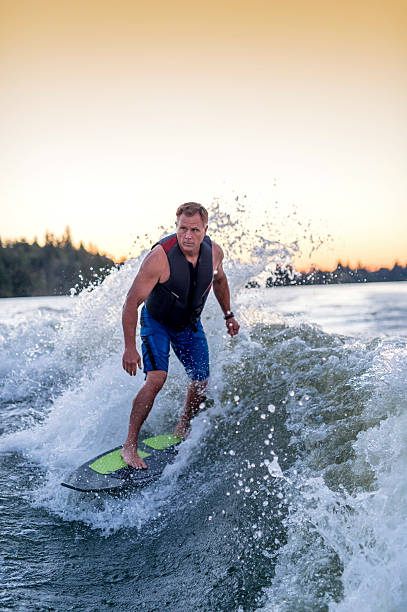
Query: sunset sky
x,y
114,112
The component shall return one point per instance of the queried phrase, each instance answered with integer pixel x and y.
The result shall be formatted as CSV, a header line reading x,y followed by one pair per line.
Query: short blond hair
x,y
190,209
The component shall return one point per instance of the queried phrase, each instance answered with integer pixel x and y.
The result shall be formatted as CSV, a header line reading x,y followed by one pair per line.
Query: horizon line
x,y
92,248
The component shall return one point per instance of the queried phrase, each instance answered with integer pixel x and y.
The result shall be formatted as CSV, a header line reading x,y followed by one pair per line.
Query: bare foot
x,y
130,456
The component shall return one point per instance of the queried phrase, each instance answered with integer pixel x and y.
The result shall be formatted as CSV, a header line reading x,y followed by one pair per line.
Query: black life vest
x,y
180,300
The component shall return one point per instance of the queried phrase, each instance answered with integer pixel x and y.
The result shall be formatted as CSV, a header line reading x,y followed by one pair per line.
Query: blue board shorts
x,y
189,345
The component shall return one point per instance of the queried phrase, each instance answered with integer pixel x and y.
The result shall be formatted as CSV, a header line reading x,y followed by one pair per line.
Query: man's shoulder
x,y
155,258
217,251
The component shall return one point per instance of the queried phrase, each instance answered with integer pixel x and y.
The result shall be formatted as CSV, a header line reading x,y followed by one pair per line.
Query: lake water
x,y
289,495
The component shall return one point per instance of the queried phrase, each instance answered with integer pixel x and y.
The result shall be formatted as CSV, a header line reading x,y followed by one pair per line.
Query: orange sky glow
x,y
113,113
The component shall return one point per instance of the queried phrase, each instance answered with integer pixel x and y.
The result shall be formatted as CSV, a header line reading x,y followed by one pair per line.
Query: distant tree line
x,y
53,269
57,267
287,275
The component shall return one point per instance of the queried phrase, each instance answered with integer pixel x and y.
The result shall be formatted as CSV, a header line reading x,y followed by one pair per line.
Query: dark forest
x,y
57,267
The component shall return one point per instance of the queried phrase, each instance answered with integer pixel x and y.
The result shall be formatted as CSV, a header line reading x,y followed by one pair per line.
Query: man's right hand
x,y
131,359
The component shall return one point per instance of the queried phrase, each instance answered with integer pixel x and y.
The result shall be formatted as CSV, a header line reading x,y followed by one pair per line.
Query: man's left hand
x,y
232,326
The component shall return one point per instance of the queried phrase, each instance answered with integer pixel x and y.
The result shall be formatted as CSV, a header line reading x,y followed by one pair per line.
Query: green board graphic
x,y
113,461
162,442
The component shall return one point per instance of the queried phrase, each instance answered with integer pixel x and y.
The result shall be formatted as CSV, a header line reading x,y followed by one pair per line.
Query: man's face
x,y
190,233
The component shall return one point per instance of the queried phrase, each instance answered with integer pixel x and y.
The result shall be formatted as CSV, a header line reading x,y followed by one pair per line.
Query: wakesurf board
x,y
109,473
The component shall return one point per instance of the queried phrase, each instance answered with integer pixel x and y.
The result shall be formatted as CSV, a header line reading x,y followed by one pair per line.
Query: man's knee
x,y
156,379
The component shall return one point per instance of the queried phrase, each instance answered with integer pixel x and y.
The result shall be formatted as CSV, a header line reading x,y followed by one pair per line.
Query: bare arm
x,y
222,292
149,274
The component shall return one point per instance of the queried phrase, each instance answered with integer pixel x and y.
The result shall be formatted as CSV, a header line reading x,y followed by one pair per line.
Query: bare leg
x,y
195,396
142,405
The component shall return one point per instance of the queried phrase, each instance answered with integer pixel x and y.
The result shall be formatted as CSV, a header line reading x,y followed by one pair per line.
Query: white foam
x,y
362,534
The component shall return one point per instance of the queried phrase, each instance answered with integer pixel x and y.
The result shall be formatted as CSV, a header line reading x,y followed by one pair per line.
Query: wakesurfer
x,y
174,281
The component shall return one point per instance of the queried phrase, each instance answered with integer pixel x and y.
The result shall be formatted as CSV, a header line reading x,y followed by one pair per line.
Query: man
x,y
174,281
